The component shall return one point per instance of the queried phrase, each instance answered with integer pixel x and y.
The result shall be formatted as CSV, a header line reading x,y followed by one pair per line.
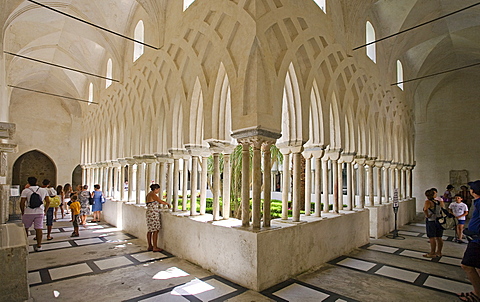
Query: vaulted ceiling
x,y
37,32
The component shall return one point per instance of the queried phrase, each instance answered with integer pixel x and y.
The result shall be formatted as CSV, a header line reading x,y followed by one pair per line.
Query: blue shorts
x,y
50,216
461,221
434,229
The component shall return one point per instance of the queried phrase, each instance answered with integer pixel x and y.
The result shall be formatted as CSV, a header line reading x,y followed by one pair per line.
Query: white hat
x,y
51,192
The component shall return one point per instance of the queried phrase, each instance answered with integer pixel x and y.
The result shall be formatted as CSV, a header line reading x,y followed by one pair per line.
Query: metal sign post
x,y
395,211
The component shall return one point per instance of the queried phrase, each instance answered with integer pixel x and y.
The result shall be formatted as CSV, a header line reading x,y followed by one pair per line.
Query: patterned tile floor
x,y
107,264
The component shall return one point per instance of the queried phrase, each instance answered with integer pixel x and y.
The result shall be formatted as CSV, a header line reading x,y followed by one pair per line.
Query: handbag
x,y
55,201
91,201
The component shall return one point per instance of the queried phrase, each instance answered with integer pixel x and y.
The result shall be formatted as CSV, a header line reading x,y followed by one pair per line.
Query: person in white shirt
x,y
34,215
460,211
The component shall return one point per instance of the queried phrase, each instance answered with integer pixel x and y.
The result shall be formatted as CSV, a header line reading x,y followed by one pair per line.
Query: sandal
x,y
49,238
430,256
469,297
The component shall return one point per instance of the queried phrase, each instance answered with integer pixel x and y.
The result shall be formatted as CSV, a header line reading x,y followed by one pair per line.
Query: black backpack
x,y
35,200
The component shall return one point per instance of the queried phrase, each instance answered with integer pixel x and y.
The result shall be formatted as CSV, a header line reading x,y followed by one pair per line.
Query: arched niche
x,y
77,176
34,163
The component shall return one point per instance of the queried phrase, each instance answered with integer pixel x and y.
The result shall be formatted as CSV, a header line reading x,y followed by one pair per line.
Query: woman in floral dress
x,y
83,197
154,223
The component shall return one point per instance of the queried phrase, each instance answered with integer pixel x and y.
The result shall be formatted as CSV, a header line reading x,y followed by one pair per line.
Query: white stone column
x,y
245,183
138,183
397,179
176,169
148,179
409,182
403,185
350,191
216,186
371,188
386,181
84,175
193,186
285,185
308,185
185,184
226,186
161,175
121,182
339,186
267,180
361,182
256,183
378,183
318,188
169,182
203,185
325,195
131,179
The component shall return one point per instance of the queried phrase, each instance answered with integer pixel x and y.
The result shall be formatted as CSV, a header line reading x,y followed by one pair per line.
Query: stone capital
x,y
332,154
148,158
7,130
8,148
122,161
314,151
360,159
216,146
347,158
256,131
179,153
130,160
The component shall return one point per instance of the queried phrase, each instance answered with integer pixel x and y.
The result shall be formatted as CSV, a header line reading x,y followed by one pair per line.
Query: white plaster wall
x,y
47,125
382,217
448,139
256,260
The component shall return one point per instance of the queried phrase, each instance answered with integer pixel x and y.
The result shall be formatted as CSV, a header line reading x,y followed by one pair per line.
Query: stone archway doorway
x,y
34,163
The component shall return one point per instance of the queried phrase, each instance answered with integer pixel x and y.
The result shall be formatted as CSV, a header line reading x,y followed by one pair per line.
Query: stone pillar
x,y
226,186
169,182
131,178
340,186
409,182
285,184
378,183
386,181
7,131
347,159
361,181
297,164
176,169
325,195
267,183
256,183
185,184
397,179
138,180
216,186
318,188
370,182
308,185
121,183
245,183
350,191
193,186
203,185
403,185
161,176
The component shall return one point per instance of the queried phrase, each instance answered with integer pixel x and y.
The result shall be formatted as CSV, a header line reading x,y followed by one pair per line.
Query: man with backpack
x,y
33,209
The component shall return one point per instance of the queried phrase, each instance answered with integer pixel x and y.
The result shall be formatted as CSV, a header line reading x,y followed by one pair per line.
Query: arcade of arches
x,y
227,80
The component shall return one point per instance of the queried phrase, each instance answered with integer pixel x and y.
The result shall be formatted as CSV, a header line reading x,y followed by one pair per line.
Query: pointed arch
x,y
291,108
370,37
221,107
139,35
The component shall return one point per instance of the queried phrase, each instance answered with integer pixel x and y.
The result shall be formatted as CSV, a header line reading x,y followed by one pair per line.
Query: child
x,y
460,211
75,209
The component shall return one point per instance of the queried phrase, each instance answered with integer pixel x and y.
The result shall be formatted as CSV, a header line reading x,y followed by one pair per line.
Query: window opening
x,y
322,4
109,73
90,93
371,49
187,3
138,35
399,74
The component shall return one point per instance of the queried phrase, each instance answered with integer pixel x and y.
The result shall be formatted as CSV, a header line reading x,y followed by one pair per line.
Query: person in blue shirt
x,y
471,258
